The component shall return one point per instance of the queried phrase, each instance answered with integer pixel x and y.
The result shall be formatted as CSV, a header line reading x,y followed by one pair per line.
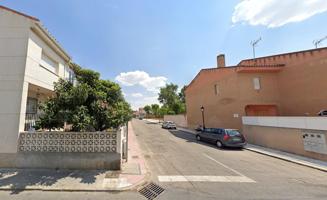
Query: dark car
x,y
323,113
222,137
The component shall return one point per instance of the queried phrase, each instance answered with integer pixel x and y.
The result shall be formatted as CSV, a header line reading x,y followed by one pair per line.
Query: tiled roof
x,y
284,54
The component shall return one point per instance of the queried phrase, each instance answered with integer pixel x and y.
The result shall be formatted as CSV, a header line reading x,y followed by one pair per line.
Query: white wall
x,y
13,47
313,123
37,72
20,58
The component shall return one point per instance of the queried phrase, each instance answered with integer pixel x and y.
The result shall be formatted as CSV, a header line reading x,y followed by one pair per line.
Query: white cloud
x,y
143,79
148,100
137,95
276,13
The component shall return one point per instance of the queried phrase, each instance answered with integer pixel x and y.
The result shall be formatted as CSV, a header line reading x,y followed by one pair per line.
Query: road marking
x,y
225,179
216,161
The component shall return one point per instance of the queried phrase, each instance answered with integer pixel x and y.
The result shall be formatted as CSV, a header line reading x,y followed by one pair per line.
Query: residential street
x,y
176,153
188,169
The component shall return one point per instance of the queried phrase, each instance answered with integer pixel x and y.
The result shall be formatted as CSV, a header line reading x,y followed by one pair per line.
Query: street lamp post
x,y
202,110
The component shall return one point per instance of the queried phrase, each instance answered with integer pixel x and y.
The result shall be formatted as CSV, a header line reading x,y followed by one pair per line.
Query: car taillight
x,y
226,137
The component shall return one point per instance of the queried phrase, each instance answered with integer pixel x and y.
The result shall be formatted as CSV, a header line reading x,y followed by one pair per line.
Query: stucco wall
x,y
302,88
13,39
298,89
44,160
20,54
284,133
285,139
236,90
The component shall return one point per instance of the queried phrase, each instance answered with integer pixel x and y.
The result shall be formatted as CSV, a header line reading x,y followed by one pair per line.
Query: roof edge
x,y
284,54
19,13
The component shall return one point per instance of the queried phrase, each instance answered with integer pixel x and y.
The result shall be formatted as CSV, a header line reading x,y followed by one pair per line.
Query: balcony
x,y
30,121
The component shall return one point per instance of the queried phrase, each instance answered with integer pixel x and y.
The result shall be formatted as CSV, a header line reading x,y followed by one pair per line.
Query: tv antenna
x,y
254,44
318,42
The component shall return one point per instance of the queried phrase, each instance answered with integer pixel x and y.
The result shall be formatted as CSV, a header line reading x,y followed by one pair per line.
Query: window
x,y
216,88
233,132
31,107
48,63
256,83
69,74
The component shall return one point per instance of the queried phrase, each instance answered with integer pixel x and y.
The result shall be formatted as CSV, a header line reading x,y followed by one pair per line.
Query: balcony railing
x,y
30,120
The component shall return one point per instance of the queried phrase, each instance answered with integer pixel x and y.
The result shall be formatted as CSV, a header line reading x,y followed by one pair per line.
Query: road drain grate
x,y
151,191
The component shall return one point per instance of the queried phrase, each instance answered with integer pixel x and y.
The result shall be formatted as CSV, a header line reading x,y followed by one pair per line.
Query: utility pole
x,y
319,41
254,43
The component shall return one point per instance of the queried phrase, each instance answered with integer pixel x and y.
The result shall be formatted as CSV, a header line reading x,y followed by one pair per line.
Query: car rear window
x,y
233,132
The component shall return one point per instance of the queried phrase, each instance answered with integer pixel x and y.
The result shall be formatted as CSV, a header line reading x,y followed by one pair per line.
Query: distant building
x,y
141,113
31,60
290,84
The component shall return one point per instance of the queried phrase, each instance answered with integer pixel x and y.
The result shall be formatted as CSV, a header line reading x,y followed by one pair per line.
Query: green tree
x,y
91,105
147,109
181,94
170,98
155,109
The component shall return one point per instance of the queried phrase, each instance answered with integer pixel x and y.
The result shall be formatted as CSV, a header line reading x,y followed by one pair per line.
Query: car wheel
x,y
219,144
198,138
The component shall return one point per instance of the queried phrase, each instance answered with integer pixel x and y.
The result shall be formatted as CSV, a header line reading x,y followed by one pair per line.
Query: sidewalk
x,y
313,163
133,173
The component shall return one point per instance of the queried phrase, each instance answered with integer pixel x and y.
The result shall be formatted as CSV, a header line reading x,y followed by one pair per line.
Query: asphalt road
x,y
188,169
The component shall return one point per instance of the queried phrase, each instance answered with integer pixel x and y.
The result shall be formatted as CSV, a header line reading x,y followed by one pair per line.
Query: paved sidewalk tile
x,y
313,163
133,173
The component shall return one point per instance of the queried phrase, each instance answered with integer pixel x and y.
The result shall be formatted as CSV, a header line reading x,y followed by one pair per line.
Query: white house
x,y
31,60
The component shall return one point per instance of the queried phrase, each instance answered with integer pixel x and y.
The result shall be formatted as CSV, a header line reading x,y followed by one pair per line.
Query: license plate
x,y
236,139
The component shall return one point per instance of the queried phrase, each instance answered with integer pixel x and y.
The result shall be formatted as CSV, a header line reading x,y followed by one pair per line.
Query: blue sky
x,y
143,44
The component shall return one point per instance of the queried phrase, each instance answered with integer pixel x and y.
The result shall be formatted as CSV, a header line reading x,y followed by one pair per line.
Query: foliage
x,y
171,99
181,94
91,105
155,109
173,102
147,109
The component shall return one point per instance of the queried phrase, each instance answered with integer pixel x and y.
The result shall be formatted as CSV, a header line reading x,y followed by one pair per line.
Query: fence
x,y
30,120
90,142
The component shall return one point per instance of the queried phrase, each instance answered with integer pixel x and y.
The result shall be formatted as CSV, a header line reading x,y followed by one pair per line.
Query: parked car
x,y
222,137
199,128
168,125
322,113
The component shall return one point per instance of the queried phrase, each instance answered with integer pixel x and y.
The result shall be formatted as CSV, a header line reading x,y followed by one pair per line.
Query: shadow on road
x,y
17,180
190,137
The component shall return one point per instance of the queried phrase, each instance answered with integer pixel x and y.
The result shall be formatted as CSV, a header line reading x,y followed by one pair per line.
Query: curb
x,y
303,163
128,188
281,157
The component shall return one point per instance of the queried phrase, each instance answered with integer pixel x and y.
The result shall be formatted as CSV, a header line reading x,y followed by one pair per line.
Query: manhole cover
x,y
151,191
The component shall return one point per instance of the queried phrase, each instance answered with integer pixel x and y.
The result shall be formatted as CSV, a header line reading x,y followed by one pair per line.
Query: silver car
x,y
168,125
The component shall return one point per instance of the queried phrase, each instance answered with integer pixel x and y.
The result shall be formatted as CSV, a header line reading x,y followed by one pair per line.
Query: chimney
x,y
221,60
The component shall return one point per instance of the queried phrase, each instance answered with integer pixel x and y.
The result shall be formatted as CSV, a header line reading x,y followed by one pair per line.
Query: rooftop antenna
x,y
318,42
254,43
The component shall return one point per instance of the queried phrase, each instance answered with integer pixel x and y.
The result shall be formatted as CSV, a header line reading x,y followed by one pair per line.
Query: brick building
x,y
290,84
